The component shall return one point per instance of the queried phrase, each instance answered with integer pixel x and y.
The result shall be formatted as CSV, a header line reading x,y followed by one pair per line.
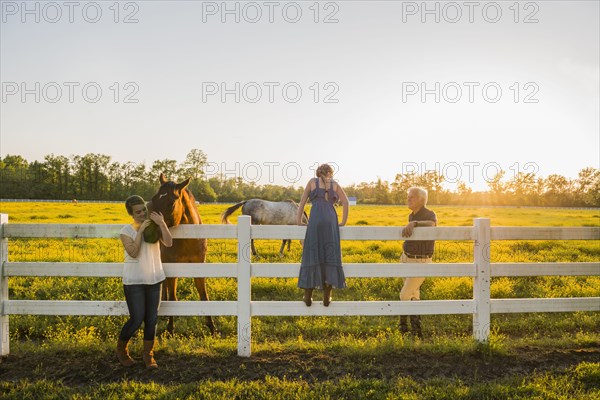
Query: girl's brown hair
x,y
322,171
133,201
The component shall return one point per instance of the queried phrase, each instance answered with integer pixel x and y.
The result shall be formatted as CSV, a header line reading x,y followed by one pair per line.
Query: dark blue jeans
x,y
143,302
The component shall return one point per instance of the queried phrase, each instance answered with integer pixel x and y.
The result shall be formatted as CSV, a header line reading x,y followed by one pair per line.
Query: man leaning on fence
x,y
416,251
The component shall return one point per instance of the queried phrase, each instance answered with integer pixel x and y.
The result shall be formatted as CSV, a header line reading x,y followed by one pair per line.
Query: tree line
x,y
98,177
523,189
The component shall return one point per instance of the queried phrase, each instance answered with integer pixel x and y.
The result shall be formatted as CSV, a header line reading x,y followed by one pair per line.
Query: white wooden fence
x,y
481,306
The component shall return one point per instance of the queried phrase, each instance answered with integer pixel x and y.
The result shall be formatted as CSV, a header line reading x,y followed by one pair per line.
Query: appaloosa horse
x,y
178,206
264,212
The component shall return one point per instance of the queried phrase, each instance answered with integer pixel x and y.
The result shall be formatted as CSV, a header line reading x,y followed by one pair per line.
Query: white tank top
x,y
146,268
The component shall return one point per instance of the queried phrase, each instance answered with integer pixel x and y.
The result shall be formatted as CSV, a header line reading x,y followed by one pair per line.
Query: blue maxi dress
x,y
322,254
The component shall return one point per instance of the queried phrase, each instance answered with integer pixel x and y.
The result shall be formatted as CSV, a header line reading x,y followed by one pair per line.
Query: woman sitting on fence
x,y
142,277
321,255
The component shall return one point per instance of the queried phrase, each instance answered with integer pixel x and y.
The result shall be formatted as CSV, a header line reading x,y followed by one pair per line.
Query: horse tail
x,y
229,211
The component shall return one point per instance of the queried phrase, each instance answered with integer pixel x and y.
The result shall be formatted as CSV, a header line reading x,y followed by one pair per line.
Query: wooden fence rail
x,y
481,270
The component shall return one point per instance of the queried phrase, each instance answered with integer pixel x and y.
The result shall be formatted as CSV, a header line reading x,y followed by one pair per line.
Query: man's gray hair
x,y
422,192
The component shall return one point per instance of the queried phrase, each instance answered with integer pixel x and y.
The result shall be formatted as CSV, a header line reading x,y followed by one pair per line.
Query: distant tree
x,y
14,173
167,167
381,191
13,162
522,189
400,186
59,173
91,176
464,194
432,181
82,171
203,191
462,189
193,166
589,186
226,189
558,191
495,184
144,183
116,181
37,184
522,184
94,176
101,170
497,189
540,187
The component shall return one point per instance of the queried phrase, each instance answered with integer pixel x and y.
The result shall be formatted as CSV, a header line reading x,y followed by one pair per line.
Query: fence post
x,y
4,326
244,285
481,283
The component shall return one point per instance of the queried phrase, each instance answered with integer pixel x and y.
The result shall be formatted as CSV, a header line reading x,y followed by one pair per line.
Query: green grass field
x,y
536,355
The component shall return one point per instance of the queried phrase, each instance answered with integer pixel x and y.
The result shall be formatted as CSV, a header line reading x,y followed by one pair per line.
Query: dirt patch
x,y
78,367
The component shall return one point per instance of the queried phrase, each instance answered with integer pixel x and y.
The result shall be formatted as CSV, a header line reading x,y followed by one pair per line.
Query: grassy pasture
x,y
551,355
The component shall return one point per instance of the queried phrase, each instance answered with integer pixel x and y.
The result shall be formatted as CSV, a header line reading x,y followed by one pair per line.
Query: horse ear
x,y
162,179
184,184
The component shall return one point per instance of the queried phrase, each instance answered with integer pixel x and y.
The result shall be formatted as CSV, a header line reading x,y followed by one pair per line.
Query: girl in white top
x,y
145,268
142,279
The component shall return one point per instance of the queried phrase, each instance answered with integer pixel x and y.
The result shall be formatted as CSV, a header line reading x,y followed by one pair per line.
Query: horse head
x,y
171,201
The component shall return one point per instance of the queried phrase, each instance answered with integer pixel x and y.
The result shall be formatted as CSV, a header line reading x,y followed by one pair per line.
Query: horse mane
x,y
189,205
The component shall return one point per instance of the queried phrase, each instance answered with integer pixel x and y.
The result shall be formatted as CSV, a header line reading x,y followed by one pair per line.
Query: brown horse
x,y
178,206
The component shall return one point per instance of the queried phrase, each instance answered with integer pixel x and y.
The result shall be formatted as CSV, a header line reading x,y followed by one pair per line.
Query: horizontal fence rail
x,y
84,307
546,269
115,270
369,270
76,231
107,231
546,305
481,270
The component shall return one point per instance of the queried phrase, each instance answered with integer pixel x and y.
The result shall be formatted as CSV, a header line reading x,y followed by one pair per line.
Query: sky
x,y
268,90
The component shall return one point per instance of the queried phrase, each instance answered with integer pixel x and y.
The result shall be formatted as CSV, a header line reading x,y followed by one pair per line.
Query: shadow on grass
x,y
83,365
